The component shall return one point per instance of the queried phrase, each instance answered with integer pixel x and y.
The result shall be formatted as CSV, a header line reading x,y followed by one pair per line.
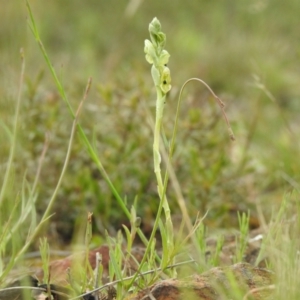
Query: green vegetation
x,y
92,151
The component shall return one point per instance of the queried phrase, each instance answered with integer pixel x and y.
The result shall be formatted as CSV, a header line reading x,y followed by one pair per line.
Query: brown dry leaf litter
x,y
209,285
213,285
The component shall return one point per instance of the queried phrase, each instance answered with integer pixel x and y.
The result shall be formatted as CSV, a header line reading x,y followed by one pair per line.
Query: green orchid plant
x,y
158,57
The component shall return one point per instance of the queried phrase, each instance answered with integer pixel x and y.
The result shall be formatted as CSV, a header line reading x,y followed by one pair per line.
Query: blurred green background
x,y
247,51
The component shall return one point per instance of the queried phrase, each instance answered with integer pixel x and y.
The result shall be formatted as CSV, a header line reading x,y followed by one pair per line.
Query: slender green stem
x,y
83,136
60,88
156,151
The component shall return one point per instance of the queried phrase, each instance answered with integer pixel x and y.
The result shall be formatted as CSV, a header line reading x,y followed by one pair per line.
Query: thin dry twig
x,y
46,214
219,102
130,277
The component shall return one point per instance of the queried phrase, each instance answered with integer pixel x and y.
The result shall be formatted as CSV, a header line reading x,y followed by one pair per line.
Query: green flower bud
x,y
154,26
158,38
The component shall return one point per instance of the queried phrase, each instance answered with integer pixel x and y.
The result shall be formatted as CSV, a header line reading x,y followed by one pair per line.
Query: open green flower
x,y
165,80
163,58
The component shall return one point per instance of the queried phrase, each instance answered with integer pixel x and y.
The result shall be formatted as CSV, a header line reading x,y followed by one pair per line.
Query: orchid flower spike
x,y
158,57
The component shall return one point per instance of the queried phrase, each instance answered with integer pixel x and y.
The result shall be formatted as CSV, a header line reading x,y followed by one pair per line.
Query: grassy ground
x,y
247,52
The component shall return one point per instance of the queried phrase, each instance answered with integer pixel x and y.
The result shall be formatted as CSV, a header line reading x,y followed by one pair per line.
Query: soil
x,y
251,276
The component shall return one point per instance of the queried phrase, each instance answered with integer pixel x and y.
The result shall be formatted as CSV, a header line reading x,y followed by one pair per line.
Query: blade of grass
x,y
46,214
14,133
83,136
61,91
